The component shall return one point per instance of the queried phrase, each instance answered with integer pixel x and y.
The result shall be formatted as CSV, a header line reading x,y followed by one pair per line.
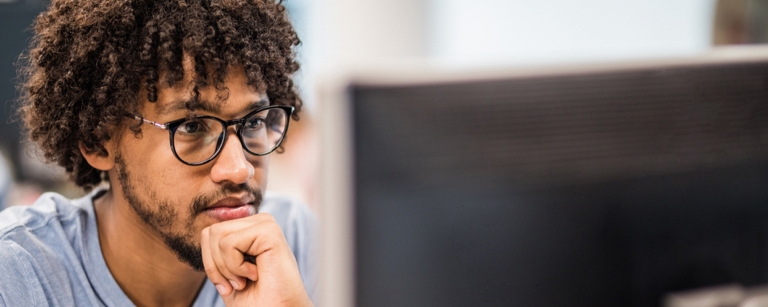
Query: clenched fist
x,y
251,264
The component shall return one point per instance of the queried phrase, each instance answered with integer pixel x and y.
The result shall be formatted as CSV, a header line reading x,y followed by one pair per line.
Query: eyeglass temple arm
x,y
156,124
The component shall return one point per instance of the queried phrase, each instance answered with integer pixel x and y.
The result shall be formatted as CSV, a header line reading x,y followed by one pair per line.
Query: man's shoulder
x,y
37,247
49,230
33,273
49,210
29,269
46,229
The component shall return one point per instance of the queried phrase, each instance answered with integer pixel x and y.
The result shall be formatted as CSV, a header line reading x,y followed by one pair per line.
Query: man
x,y
168,111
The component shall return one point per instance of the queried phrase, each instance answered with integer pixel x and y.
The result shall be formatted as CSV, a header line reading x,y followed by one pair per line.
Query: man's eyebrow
x,y
187,105
202,105
263,102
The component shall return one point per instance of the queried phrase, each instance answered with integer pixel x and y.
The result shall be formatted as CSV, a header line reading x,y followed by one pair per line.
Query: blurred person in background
x,y
740,22
166,111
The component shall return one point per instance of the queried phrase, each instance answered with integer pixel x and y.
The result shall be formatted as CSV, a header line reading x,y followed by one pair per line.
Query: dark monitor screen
x,y
604,188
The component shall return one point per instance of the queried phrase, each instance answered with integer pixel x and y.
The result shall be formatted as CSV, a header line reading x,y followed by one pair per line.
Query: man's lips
x,y
231,208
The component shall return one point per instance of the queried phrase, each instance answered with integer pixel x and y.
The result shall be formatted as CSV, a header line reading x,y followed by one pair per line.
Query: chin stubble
x,y
162,218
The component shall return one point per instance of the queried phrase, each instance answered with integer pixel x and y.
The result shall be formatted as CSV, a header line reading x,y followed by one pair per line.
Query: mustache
x,y
200,202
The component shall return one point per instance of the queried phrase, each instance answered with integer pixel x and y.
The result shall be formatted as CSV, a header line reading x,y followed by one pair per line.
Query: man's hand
x,y
273,280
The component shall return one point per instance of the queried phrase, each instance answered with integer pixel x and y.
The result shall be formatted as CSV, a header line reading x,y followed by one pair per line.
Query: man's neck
x,y
147,271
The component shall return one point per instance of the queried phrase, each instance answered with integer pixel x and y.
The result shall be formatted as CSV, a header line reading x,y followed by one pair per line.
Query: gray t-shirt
x,y
50,253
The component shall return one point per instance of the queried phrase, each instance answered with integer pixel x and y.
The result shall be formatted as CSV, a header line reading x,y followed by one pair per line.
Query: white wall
x,y
351,33
483,32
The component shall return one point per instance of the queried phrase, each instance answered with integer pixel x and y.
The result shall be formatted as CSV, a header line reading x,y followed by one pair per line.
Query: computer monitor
x,y
615,185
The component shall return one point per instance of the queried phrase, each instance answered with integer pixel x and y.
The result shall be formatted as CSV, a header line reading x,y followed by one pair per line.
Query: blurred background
x,y
339,35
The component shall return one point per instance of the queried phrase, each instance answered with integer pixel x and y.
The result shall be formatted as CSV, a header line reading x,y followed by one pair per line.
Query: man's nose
x,y
231,164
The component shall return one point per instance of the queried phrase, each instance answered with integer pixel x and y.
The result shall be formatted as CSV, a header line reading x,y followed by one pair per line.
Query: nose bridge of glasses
x,y
237,126
237,123
225,138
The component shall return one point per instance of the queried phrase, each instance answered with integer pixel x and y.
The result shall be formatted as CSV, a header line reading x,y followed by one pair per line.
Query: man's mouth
x,y
231,208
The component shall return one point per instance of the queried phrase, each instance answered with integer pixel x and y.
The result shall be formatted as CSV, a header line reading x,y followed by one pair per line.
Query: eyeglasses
x,y
198,140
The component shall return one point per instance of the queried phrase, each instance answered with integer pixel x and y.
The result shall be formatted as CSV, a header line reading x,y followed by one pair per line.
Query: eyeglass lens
x,y
197,139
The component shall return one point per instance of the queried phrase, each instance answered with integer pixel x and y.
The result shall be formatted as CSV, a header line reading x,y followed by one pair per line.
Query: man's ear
x,y
98,159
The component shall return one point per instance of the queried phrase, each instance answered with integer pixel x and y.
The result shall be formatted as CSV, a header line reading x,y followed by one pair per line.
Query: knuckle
x,y
269,222
224,243
214,230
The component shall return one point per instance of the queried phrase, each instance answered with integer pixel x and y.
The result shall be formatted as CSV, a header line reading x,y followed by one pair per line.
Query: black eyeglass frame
x,y
172,126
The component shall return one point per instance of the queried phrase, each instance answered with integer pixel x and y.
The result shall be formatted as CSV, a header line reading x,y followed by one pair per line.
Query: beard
x,y
161,216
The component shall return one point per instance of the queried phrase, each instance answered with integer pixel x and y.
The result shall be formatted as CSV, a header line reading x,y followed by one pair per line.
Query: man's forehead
x,y
182,96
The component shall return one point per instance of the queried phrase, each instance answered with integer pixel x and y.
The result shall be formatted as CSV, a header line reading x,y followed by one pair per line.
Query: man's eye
x,y
192,127
254,123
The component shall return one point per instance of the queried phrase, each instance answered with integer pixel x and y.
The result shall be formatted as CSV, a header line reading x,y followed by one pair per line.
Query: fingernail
x,y
221,289
234,284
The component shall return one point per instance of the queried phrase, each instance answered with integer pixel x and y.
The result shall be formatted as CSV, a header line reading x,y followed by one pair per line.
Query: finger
x,y
273,255
222,260
232,262
235,260
222,284
258,239
264,239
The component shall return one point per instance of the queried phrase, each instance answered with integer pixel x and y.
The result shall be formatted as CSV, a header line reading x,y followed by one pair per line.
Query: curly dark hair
x,y
89,59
